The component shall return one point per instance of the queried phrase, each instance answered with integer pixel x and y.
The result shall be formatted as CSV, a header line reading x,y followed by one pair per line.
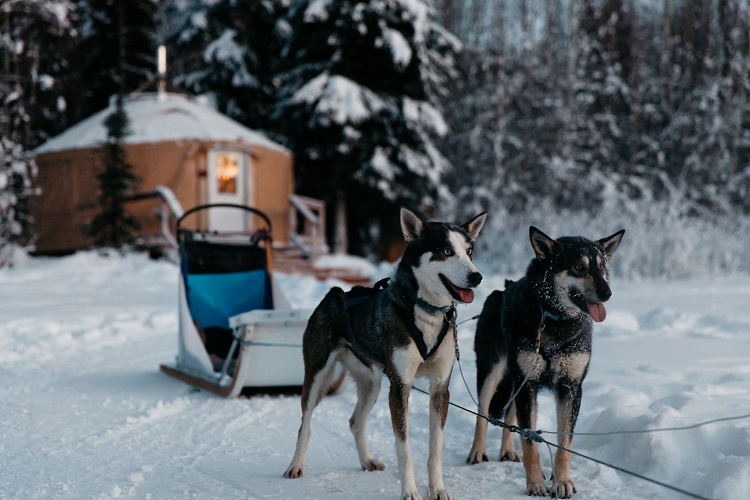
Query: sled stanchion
x,y
228,359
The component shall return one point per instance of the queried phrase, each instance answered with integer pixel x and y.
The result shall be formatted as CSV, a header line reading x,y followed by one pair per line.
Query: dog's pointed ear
x,y
610,243
543,245
411,225
475,225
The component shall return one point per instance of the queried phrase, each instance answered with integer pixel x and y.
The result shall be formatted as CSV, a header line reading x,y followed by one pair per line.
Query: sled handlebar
x,y
198,208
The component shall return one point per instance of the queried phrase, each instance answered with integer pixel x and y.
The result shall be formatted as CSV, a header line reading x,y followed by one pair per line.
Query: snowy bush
x,y
659,240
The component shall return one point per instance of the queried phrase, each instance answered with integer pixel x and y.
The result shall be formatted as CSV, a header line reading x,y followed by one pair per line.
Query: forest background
x,y
577,116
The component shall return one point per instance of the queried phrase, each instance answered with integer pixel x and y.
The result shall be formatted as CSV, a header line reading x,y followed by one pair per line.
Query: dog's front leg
x,y
439,399
398,399
401,379
568,405
526,412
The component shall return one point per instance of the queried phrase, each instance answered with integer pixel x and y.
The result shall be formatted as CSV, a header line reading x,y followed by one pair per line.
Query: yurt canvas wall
x,y
180,156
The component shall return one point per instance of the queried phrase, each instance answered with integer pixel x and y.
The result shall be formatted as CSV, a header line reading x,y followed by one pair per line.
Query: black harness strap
x,y
360,294
547,352
353,340
418,337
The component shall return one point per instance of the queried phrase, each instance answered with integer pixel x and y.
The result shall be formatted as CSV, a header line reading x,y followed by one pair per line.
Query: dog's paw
x,y
477,456
509,456
293,472
441,495
536,489
562,489
373,464
410,494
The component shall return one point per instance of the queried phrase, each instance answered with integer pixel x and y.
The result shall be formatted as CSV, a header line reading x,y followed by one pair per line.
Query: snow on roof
x,y
173,117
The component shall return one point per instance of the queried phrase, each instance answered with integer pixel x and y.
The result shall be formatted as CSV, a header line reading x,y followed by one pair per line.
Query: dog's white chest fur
x,y
572,366
408,361
430,326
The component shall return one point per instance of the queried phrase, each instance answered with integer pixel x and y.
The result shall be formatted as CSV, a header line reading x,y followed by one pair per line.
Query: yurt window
x,y
227,170
228,182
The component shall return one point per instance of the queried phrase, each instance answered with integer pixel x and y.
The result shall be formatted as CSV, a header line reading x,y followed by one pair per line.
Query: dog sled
x,y
236,327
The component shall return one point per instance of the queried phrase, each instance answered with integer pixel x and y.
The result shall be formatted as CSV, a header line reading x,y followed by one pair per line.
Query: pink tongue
x,y
597,311
466,294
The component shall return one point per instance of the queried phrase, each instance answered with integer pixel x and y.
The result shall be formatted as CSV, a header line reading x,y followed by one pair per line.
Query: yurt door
x,y
228,181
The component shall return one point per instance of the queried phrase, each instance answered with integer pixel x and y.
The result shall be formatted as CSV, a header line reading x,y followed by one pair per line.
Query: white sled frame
x,y
269,343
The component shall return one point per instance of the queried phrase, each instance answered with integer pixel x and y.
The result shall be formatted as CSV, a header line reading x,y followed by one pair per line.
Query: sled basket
x,y
236,329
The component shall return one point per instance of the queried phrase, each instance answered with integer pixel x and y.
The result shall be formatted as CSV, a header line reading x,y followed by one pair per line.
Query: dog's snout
x,y
604,293
474,278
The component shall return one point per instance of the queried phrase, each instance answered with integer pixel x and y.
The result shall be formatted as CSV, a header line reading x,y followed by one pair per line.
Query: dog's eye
x,y
447,251
579,268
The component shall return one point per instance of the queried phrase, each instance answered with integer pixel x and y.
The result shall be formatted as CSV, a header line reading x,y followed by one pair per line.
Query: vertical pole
x,y
161,69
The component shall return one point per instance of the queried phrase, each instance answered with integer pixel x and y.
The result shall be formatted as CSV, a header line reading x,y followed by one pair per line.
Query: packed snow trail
x,y
87,414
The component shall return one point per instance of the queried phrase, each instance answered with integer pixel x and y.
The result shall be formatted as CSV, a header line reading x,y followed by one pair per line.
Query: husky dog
x,y
398,331
537,334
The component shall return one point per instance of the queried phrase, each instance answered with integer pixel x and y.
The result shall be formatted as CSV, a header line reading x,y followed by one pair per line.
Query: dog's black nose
x,y
604,292
474,278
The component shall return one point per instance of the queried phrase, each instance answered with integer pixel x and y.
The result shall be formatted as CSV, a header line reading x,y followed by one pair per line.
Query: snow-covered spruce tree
x,y
30,103
510,113
600,122
36,37
16,170
113,226
116,52
228,51
706,142
478,121
359,106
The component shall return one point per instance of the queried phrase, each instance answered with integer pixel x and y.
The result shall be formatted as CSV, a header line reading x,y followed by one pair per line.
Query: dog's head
x,y
579,271
441,255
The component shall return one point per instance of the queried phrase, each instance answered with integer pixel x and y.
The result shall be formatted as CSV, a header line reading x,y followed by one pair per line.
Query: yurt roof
x,y
159,118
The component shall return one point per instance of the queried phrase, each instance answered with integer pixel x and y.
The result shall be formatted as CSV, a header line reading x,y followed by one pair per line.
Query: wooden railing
x,y
167,214
307,225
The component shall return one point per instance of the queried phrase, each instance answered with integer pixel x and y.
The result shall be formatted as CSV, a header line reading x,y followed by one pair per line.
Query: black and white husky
x,y
536,334
400,331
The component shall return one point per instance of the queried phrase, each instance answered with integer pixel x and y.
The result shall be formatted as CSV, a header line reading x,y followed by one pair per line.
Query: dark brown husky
x,y
536,334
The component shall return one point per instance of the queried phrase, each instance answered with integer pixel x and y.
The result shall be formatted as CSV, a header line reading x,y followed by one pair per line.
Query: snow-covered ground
x,y
85,412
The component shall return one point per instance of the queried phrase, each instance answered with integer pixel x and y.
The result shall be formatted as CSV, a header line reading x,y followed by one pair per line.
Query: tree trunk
x,y
666,59
340,235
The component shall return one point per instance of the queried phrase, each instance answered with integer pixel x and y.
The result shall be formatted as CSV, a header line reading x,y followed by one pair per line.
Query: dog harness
x,y
359,294
548,351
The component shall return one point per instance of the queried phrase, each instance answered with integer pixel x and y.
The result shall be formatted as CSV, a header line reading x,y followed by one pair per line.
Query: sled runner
x,y
236,328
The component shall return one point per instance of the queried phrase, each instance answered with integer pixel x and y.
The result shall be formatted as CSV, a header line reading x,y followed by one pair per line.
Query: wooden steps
x,y
289,259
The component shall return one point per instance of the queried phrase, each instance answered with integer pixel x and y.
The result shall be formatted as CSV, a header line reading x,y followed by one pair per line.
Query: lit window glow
x,y
227,169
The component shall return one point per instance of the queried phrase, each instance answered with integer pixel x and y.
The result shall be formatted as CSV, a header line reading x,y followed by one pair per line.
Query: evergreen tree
x,y
478,143
34,37
113,226
229,51
116,52
360,108
601,119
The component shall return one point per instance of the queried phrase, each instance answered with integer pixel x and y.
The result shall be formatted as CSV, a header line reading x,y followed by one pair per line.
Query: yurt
x,y
174,141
